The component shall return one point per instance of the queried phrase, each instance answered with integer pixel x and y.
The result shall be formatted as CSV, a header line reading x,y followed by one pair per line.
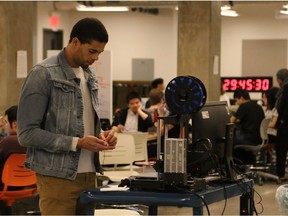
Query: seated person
x,y
173,131
2,128
8,145
247,118
133,118
157,107
269,99
156,100
155,84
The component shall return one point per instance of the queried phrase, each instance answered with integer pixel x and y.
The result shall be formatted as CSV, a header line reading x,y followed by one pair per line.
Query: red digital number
x,y
249,84
226,85
258,84
265,84
233,84
241,83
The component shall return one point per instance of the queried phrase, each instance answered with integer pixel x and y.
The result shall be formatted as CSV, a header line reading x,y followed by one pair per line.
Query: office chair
x,y
260,170
15,175
123,154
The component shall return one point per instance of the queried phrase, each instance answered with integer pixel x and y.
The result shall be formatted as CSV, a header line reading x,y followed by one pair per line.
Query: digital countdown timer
x,y
251,84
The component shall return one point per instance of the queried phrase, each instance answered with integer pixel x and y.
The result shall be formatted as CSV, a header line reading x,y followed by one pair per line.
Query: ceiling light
x,y
230,13
225,7
111,8
284,12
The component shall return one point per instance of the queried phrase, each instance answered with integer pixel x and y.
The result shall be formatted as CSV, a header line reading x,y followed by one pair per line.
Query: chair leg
x,y
4,209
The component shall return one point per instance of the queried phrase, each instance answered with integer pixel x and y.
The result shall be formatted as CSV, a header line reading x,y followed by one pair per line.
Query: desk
x,y
155,199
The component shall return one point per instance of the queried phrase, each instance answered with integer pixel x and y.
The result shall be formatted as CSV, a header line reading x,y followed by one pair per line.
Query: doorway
x,y
52,40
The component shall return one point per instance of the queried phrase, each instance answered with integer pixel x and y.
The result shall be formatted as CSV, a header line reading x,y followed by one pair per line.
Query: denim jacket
x,y
50,115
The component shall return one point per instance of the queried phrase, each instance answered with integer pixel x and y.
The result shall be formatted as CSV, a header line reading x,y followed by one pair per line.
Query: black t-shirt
x,y
250,115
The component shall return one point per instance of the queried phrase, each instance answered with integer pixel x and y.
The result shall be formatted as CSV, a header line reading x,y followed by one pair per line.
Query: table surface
x,y
213,193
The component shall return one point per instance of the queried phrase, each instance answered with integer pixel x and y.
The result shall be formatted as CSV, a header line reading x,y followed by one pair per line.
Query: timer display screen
x,y
251,84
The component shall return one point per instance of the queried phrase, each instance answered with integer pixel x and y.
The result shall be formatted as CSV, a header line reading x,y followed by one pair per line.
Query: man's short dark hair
x,y
155,96
12,114
282,74
156,82
89,29
132,95
241,93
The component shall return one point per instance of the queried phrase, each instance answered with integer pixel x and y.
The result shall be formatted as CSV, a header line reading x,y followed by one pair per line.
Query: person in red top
x,y
10,143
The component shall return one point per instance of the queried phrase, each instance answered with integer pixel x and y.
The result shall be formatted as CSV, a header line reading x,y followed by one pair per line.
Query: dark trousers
x,y
281,151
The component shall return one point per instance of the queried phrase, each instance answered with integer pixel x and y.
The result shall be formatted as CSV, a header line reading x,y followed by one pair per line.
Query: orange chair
x,y
15,175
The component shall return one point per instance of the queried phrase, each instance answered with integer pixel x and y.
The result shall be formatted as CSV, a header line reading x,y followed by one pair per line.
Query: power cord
x,y
207,147
243,176
202,199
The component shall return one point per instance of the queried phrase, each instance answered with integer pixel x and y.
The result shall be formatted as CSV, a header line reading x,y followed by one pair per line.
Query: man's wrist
x,y
75,144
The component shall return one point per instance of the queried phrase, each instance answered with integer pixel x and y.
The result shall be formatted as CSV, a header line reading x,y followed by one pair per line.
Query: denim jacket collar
x,y
91,81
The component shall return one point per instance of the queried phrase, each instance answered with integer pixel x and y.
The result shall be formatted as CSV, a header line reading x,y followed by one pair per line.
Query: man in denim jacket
x,y
58,122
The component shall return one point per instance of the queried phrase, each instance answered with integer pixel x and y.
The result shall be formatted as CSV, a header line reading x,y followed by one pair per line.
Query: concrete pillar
x,y
17,27
199,37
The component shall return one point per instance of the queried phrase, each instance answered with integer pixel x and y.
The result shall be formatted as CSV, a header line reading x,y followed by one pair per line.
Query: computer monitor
x,y
210,122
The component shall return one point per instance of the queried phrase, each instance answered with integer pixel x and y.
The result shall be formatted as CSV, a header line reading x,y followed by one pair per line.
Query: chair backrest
x,y
14,173
141,151
124,153
264,136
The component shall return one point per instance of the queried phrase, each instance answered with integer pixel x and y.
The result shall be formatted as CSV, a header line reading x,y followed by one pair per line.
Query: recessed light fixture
x,y
226,10
226,7
104,9
284,11
230,13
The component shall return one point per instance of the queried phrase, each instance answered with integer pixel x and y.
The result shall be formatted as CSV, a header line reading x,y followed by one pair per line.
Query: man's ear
x,y
14,125
75,41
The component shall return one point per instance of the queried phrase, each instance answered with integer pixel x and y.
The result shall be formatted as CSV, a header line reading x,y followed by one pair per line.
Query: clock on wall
x,y
251,84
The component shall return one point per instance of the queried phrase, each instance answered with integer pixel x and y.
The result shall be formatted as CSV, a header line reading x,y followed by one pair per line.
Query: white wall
x,y
131,35
258,23
234,30
138,35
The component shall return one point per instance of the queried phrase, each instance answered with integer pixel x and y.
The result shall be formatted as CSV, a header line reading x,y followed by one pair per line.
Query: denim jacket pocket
x,y
64,105
64,94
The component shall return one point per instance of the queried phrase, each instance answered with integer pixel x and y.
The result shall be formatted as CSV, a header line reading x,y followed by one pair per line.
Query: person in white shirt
x,y
133,118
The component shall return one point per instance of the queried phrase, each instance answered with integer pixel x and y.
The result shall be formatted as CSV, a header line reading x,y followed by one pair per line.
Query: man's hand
x,y
95,144
109,136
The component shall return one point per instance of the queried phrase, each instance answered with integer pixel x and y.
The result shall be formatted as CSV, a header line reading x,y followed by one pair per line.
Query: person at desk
x,y
58,121
269,100
156,100
2,127
8,145
247,118
224,97
133,118
155,84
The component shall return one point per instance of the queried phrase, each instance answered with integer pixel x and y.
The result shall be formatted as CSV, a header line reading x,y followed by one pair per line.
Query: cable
x,y
202,199
219,170
207,146
251,189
